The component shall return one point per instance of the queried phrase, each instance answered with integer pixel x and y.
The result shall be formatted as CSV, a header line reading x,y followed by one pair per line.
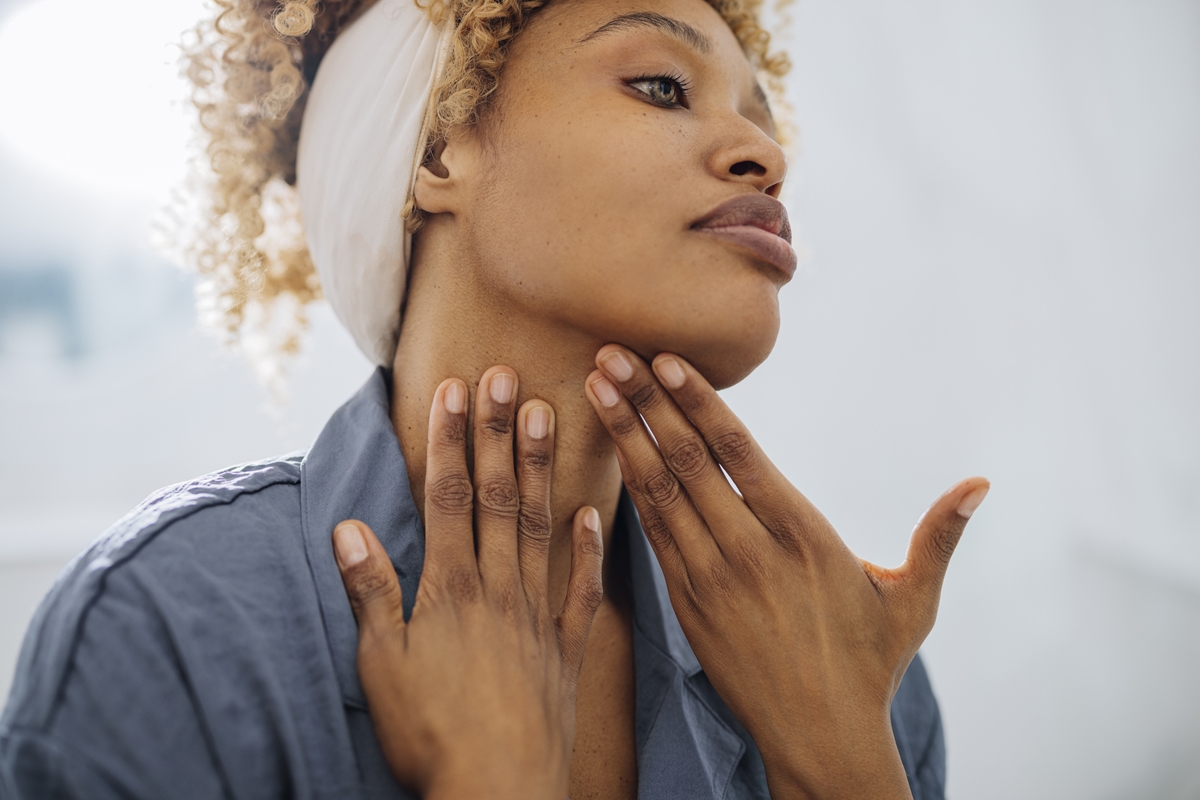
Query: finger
x,y
683,448
369,578
535,462
655,489
449,537
497,501
658,534
768,493
937,535
585,588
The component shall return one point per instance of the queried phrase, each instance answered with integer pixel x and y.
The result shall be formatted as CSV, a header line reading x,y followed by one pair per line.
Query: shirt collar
x,y
687,742
652,610
355,470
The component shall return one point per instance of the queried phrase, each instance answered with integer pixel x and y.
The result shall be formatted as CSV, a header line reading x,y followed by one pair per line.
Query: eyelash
x,y
681,84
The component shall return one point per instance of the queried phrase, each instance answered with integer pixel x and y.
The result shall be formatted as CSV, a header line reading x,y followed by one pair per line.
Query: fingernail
x,y
606,393
349,544
669,372
537,422
967,506
454,398
500,387
618,365
591,520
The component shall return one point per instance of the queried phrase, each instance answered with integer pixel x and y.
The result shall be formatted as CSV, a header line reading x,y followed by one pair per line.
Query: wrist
x,y
482,790
505,782
848,763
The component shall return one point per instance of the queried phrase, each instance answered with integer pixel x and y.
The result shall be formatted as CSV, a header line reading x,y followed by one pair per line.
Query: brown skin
x,y
483,666
805,642
559,225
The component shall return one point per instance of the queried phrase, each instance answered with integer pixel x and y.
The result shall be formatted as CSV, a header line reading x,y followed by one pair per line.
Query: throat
x,y
604,761
454,328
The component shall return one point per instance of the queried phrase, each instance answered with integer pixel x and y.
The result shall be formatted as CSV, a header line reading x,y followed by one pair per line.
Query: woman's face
x,y
619,126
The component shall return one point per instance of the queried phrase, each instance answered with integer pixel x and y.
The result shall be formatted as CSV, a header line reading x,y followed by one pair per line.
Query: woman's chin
x,y
727,360
726,369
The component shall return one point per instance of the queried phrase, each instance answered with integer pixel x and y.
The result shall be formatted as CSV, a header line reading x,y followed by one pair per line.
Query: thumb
x,y
369,578
937,534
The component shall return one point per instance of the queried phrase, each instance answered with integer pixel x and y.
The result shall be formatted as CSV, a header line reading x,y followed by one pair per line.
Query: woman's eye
x,y
662,90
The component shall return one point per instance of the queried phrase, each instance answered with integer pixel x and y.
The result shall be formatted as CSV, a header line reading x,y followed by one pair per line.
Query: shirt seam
x,y
77,630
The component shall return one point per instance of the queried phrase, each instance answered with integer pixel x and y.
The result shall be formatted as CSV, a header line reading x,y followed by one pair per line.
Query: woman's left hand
x,y
805,642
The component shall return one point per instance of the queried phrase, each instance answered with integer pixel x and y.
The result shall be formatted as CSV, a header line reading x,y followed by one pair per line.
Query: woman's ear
x,y
443,179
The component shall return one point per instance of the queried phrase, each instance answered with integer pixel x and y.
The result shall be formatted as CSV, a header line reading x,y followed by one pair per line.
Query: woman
x,y
576,175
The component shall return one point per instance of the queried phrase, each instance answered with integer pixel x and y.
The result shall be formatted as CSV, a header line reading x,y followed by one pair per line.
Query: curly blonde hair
x,y
250,66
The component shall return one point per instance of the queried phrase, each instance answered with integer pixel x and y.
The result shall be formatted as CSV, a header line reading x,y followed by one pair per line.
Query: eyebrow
x,y
648,19
673,27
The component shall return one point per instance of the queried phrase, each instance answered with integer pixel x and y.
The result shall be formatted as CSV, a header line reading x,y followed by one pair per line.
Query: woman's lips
x,y
757,223
766,246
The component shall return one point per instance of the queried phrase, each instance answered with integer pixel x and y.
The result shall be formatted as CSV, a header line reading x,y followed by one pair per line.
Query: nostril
x,y
748,168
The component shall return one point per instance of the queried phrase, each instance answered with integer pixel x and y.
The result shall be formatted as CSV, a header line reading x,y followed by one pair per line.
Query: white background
x,y
1001,203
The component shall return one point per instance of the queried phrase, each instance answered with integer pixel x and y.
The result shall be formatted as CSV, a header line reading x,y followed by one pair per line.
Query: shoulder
x,y
164,548
917,724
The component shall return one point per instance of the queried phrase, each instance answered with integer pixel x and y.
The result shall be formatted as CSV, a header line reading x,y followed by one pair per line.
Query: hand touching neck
x,y
456,327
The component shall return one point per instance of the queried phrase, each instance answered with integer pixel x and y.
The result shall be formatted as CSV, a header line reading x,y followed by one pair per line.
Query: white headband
x,y
360,145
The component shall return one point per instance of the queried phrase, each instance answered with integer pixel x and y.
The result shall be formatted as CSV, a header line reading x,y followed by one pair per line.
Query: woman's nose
x,y
747,154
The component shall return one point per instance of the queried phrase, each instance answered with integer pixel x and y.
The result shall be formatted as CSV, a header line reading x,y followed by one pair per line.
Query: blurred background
x,y
1001,205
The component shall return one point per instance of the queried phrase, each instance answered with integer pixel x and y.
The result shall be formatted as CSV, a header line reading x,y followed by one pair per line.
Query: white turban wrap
x,y
360,146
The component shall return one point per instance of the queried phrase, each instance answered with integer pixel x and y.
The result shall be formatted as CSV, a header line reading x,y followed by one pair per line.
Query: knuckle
x,y
450,493
645,396
506,599
690,605
497,425
592,549
366,585
734,449
657,531
454,432
624,425
791,544
498,498
662,489
534,522
589,593
687,459
751,558
692,401
719,579
461,584
536,460
790,532
943,542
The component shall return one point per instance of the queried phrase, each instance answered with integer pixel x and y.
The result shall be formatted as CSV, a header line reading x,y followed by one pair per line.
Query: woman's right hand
x,y
474,696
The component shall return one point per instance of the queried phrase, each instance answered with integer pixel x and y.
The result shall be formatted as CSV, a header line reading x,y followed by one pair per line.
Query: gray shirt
x,y
204,648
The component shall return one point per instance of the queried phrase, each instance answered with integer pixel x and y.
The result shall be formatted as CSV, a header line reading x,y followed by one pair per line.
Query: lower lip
x,y
765,246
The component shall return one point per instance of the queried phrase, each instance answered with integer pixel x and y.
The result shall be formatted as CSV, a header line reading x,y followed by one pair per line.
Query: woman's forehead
x,y
693,22
573,27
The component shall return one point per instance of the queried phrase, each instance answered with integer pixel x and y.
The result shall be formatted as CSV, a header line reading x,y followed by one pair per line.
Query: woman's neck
x,y
453,327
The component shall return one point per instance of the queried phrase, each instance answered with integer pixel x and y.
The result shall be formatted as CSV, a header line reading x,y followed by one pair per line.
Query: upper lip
x,y
756,210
